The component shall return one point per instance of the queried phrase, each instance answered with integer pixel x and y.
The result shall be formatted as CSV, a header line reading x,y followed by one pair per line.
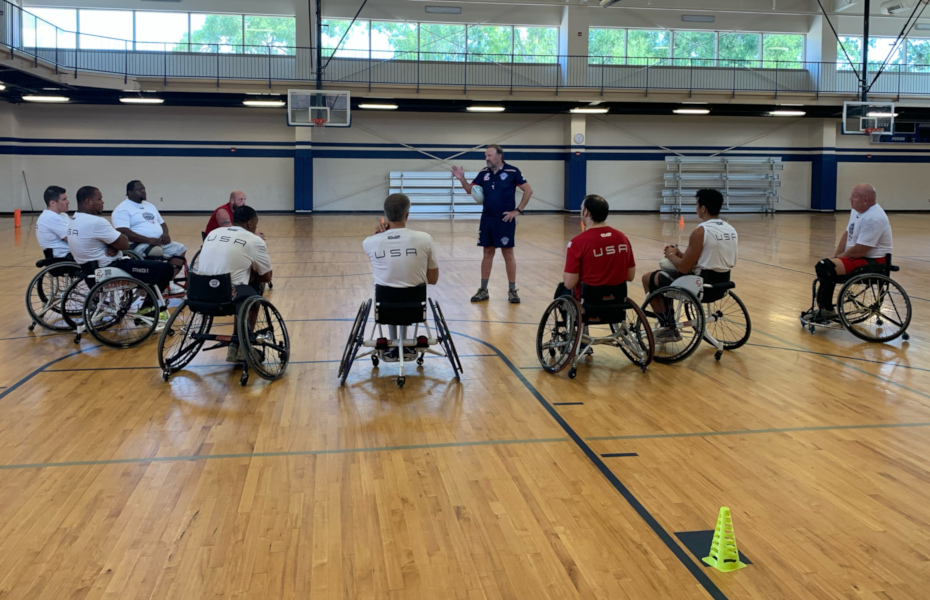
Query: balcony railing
x,y
26,35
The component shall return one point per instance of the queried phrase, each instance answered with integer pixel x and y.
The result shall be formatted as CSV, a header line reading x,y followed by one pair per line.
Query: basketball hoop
x,y
871,130
319,121
875,134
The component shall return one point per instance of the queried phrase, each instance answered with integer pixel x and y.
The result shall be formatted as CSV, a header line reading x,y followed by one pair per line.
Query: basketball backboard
x,y
859,116
318,108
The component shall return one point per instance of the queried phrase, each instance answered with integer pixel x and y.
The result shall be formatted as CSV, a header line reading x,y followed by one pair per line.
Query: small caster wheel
x,y
420,361
905,336
572,373
401,381
374,361
643,368
244,379
811,329
270,286
77,339
165,376
718,354
32,327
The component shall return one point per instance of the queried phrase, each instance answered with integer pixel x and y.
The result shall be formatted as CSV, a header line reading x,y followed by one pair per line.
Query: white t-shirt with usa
x,y
52,232
141,218
88,237
872,229
236,251
400,257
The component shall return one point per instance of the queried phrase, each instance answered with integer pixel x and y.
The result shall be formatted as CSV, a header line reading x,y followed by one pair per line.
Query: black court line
x,y
566,403
828,355
619,454
641,510
25,379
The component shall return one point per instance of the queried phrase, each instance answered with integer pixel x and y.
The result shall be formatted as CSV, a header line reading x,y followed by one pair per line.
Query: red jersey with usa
x,y
600,256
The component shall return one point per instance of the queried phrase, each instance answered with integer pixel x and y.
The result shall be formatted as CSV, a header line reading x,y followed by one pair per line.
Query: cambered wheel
x,y
635,337
874,308
263,336
121,312
559,334
177,345
355,341
132,255
445,340
44,296
678,327
728,321
72,302
195,262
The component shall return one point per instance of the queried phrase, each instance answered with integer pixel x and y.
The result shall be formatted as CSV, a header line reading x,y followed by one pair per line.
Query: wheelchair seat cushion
x,y
719,282
211,294
400,306
603,304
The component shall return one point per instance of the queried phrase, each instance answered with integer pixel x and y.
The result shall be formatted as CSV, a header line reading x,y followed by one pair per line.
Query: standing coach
x,y
499,182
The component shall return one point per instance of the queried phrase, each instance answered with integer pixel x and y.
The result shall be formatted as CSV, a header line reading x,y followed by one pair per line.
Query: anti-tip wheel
x,y
165,376
811,329
77,339
420,361
572,373
244,379
718,354
32,326
905,336
374,361
401,381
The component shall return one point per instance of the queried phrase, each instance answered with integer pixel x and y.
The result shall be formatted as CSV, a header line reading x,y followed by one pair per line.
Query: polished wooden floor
x,y
116,485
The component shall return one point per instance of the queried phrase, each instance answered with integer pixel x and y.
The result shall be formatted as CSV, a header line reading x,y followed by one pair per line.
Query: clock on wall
x,y
579,138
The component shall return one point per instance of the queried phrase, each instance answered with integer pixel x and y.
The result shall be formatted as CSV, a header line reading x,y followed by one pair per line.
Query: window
x,y
879,49
355,42
535,44
162,31
490,43
442,42
214,33
644,47
782,47
50,27
607,46
105,29
693,46
918,56
739,49
853,48
262,33
393,40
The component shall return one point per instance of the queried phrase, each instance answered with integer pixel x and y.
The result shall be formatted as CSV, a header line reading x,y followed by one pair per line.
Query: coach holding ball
x,y
498,183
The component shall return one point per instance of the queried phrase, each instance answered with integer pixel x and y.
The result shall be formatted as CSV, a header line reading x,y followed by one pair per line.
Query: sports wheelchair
x,y
696,309
266,345
871,306
45,292
564,330
400,307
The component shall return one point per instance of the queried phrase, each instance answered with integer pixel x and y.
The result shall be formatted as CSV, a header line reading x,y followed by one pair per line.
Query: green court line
x,y
161,459
751,431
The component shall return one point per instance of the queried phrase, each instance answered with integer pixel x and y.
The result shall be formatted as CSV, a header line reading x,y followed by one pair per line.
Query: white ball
x,y
477,192
667,265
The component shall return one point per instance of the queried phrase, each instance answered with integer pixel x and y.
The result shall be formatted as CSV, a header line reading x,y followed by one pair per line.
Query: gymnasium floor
x,y
114,484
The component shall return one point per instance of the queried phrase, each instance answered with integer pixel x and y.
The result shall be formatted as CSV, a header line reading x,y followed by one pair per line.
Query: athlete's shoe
x,y
512,296
667,336
175,289
481,295
820,315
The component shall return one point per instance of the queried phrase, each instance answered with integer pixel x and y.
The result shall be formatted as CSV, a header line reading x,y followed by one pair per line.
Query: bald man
x,y
222,217
867,240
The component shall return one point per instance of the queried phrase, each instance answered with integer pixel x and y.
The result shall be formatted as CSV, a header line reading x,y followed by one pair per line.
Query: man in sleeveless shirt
x,y
711,253
867,239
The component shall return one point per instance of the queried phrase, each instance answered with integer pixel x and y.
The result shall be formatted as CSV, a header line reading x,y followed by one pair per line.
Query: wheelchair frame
x,y
854,294
379,345
51,300
690,311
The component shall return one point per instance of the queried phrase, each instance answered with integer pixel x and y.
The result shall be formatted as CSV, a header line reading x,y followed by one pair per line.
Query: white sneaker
x,y
175,289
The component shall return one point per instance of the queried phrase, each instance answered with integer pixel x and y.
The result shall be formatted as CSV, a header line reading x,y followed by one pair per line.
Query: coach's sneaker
x,y
481,295
822,315
512,296
232,353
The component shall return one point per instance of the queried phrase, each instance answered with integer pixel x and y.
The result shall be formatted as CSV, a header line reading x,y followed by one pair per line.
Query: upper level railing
x,y
26,35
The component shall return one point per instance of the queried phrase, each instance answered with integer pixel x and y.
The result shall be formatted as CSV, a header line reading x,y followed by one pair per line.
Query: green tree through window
x,y
739,49
695,48
535,44
646,47
607,46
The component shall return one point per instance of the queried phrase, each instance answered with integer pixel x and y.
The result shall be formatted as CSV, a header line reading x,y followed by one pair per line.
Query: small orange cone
x,y
681,222
17,215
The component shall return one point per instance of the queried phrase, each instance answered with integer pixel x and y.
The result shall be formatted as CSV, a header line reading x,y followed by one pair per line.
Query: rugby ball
x,y
477,192
667,265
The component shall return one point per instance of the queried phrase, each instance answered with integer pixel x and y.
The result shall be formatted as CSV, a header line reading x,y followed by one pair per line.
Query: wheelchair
x,y
564,332
697,309
265,344
871,306
400,307
45,291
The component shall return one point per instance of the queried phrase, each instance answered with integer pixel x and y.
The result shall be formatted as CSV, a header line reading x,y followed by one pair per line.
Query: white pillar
x,y
573,42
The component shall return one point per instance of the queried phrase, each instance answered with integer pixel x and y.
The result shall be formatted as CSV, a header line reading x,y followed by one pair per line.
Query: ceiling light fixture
x,y
787,113
589,110
691,111
263,103
881,115
444,10
48,99
485,108
140,100
698,18
370,106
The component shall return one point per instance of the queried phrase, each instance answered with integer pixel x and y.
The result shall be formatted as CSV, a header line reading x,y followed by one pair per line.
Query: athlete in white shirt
x,y
141,222
400,257
867,239
52,224
92,238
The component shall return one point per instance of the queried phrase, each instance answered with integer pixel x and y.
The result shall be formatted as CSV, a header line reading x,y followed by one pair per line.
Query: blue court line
x,y
641,510
25,379
868,360
619,454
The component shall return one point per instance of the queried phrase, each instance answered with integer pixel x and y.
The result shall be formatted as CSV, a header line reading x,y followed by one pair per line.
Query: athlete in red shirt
x,y
601,255
222,216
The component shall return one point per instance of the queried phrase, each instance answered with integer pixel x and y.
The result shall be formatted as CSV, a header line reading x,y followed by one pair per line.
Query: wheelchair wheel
x,y
445,339
730,324
679,329
195,262
266,344
355,341
121,312
559,334
44,296
132,255
874,308
72,302
177,345
635,337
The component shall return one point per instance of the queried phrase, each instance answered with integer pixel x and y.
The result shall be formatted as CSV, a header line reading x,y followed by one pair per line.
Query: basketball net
x,y
318,122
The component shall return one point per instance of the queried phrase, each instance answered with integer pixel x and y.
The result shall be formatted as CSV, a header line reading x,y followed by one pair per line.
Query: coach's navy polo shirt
x,y
500,190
